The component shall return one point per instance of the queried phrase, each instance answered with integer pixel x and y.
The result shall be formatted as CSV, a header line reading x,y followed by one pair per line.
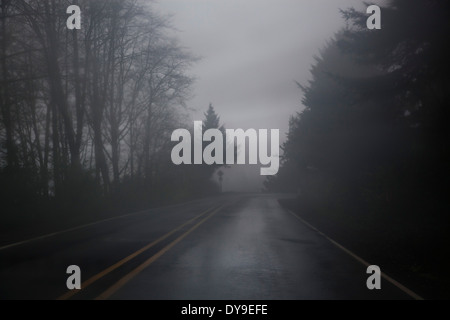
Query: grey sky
x,y
252,51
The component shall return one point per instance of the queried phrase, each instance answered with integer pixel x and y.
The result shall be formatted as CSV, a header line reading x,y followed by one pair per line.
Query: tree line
x,y
374,132
88,114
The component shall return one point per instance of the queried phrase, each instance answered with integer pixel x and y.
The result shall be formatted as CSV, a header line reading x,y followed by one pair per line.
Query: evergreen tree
x,y
412,49
212,120
374,125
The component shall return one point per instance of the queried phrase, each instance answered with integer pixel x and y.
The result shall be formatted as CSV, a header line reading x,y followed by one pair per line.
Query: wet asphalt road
x,y
230,247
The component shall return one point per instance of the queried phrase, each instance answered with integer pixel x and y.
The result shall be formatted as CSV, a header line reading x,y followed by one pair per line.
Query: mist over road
x,y
242,246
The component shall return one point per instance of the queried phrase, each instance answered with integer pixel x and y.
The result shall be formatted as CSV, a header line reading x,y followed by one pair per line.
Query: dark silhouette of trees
x,y
87,114
374,130
329,142
414,58
369,153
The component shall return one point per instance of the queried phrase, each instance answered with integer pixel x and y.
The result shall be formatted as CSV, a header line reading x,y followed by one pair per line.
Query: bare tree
x,y
98,102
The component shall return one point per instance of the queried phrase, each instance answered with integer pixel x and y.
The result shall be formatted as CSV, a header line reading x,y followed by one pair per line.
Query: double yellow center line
x,y
111,290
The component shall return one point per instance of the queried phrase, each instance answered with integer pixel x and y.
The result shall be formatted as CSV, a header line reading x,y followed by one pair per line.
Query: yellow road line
x,y
119,284
409,292
98,276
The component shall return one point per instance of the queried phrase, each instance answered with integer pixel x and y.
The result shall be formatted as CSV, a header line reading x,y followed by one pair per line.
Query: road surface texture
x,y
229,247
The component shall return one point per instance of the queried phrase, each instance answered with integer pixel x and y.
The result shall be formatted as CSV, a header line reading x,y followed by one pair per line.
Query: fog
x,y
109,189
252,52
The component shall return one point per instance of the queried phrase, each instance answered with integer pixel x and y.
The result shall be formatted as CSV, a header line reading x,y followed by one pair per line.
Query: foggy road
x,y
227,247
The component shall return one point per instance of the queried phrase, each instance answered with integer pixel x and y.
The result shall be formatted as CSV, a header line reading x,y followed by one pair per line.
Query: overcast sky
x,y
252,51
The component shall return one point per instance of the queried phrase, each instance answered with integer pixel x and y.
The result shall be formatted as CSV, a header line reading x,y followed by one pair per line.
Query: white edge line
x,y
359,259
88,225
